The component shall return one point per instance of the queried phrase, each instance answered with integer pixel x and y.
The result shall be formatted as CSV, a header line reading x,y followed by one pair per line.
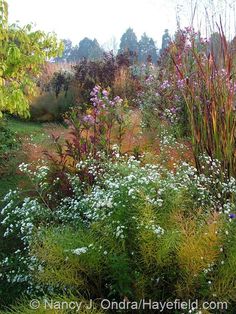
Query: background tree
x,y
22,53
96,51
165,40
88,49
128,42
67,53
146,49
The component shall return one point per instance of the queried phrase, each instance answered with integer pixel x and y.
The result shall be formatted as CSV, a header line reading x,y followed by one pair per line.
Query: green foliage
x,y
139,231
23,51
8,142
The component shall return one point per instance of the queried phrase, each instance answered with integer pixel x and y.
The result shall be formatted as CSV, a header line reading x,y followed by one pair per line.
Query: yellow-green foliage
x,y
22,53
224,286
200,248
155,249
63,267
189,245
200,245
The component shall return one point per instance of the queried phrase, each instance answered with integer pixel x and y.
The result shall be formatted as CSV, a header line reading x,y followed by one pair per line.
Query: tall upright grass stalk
x,y
209,87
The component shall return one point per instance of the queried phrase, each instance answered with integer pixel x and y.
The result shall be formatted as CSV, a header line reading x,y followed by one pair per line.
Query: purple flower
x,y
95,90
88,119
105,93
165,85
180,83
117,100
232,215
173,109
150,79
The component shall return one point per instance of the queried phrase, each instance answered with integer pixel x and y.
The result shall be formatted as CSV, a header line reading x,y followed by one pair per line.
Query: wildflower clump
x,y
139,231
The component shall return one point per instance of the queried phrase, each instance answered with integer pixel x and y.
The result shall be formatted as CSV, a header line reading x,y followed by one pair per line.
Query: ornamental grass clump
x,y
206,78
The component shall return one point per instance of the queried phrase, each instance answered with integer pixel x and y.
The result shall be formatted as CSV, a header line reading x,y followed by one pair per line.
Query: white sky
x,y
100,19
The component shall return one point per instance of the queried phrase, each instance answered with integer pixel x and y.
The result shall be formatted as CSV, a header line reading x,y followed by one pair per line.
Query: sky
x,y
102,19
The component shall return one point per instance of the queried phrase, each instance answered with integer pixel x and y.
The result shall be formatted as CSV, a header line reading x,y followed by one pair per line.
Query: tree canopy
x,y
147,49
22,53
128,41
87,49
166,39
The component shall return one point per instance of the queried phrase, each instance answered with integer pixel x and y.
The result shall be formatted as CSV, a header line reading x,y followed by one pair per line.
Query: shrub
x,y
69,86
47,107
113,72
56,94
89,73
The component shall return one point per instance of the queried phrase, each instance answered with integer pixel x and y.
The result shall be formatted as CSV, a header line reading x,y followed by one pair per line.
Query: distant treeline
x,y
141,51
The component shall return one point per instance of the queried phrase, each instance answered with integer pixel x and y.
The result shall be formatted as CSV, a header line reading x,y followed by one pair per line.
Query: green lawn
x,y
24,130
28,132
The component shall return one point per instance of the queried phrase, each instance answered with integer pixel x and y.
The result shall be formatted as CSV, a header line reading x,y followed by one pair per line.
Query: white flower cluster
x,y
170,116
121,186
209,190
153,227
80,250
119,232
38,176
